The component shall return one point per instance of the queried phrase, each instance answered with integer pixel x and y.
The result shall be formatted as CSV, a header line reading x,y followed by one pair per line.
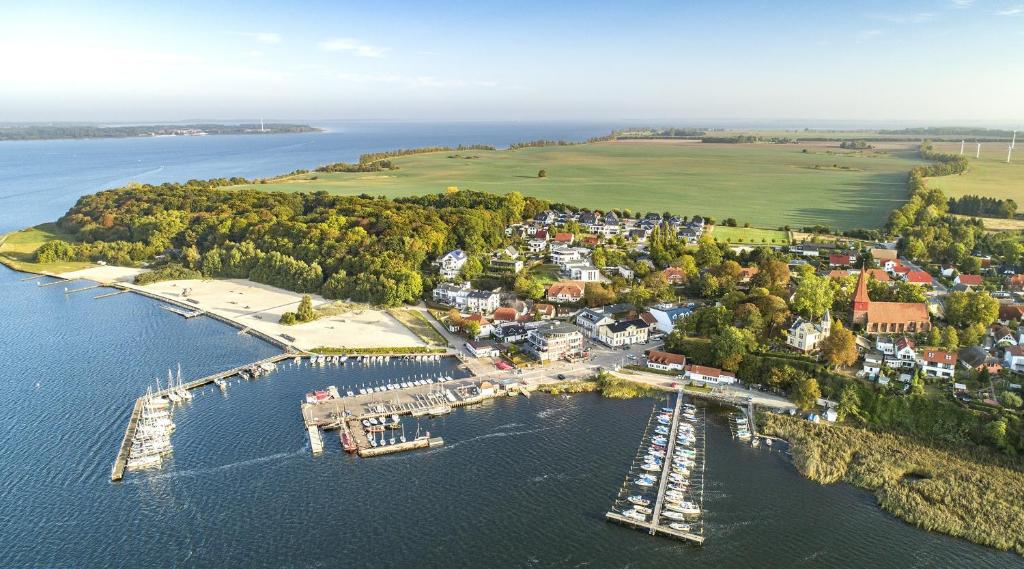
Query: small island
x,y
79,131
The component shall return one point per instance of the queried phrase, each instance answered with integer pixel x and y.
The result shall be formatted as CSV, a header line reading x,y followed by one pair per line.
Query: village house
x,y
841,261
937,363
482,302
904,356
481,349
881,255
918,278
805,335
564,238
623,333
486,327
1002,336
665,361
544,311
590,319
566,291
451,263
666,315
583,272
1013,359
976,358
451,294
887,317
1015,282
624,272
1010,313
873,363
674,275
509,332
504,314
568,255
968,280
886,345
554,341
705,374
537,245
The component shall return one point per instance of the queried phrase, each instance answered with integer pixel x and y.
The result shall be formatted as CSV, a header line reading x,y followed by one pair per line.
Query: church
x,y
887,317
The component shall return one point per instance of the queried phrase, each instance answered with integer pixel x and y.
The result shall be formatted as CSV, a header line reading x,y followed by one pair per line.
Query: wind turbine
x,y
978,153
961,148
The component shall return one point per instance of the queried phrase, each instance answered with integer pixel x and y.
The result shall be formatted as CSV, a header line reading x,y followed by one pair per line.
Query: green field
x,y
17,250
765,185
749,235
988,176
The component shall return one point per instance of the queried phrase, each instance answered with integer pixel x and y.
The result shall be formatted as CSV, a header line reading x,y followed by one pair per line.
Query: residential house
x,y
1013,359
665,361
937,363
564,238
504,314
546,217
509,332
482,301
1011,312
451,263
590,319
623,333
1002,336
705,374
805,335
541,234
451,294
624,272
977,359
674,275
873,363
886,345
566,291
585,273
882,255
537,245
554,341
841,261
1016,282
747,274
481,349
506,262
968,280
904,355
544,311
666,315
918,278
567,255
486,327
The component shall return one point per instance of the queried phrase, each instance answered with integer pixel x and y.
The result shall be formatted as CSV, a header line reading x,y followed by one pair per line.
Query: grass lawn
x,y
546,273
416,322
750,235
766,185
17,250
988,176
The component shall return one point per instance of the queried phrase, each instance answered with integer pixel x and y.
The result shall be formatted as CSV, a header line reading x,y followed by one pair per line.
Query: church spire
x,y
860,298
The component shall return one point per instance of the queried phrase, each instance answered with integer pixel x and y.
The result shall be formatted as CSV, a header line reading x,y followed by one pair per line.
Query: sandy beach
x,y
259,307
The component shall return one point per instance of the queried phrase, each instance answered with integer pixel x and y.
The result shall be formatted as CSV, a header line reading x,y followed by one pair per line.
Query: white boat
x,y
679,526
643,510
639,500
650,466
685,508
644,482
672,515
634,515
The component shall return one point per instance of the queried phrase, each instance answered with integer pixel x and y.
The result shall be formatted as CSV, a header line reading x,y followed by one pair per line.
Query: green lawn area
x,y
17,249
416,322
988,176
766,185
546,273
750,235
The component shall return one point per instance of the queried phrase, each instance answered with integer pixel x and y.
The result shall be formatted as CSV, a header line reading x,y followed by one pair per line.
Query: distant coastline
x,y
76,132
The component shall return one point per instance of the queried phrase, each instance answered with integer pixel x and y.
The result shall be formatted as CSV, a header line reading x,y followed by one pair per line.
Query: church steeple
x,y
860,298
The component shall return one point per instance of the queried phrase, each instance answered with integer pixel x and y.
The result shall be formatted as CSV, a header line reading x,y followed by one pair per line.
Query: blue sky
x,y
934,61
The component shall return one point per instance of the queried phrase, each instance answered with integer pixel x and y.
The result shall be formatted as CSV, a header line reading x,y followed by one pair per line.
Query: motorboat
x,y
672,515
685,508
679,526
634,515
366,422
639,500
643,510
650,466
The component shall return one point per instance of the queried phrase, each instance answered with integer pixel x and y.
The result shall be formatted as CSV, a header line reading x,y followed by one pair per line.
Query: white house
x,y
665,361
452,294
623,332
904,355
537,245
482,302
590,319
873,364
666,316
886,345
805,335
482,349
567,255
585,273
625,272
1013,358
937,363
451,263
706,374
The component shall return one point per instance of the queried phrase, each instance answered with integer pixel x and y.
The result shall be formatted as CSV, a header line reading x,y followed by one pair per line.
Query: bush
x,y
169,272
289,318
56,251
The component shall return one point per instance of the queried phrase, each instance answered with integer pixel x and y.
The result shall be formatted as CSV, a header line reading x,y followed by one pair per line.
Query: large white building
x,y
623,333
451,263
805,335
554,341
938,363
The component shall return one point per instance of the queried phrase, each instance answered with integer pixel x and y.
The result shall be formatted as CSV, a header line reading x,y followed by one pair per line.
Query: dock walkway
x,y
659,502
117,472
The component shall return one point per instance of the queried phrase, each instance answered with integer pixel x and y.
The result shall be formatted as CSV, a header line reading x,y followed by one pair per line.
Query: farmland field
x,y
988,176
765,185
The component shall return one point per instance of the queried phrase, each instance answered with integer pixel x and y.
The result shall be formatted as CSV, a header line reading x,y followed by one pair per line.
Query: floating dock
x,y
316,442
117,472
696,490
184,313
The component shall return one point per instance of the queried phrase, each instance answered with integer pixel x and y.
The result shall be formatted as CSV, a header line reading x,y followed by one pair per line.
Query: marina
x,y
673,462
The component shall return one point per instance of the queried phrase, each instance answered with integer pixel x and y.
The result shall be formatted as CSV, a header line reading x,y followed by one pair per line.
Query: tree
x,y
1011,400
305,312
950,338
471,328
840,347
917,384
528,287
813,295
542,173
599,258
849,402
472,269
288,318
709,286
773,275
935,336
996,432
968,308
708,252
707,321
806,393
730,346
596,294
748,317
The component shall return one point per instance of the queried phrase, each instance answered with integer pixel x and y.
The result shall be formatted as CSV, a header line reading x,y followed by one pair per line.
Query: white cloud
x,y
962,3
269,38
1011,11
352,46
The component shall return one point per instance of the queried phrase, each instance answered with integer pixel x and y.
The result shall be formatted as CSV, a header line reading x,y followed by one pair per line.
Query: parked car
x,y
561,376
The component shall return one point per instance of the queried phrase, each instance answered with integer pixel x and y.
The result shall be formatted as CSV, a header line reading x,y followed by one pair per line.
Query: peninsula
x,y
78,131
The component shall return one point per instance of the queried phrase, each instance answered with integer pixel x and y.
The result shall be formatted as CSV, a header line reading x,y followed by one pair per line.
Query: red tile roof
x,y
897,312
666,358
932,355
838,274
505,314
573,289
841,260
919,277
972,280
1011,311
879,274
564,237
674,275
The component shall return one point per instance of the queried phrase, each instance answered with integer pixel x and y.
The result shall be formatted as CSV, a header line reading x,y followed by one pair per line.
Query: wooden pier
x,y
61,280
316,442
655,529
109,294
181,311
117,472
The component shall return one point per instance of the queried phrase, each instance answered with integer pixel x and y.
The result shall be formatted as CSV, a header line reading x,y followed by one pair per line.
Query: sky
x,y
940,61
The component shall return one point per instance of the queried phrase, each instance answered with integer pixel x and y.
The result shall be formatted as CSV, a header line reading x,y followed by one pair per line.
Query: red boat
x,y
347,442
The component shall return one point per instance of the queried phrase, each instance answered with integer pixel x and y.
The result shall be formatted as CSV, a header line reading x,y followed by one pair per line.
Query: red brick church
x,y
887,317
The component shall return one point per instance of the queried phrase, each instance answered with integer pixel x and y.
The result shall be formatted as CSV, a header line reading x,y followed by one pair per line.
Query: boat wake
x,y
215,469
492,435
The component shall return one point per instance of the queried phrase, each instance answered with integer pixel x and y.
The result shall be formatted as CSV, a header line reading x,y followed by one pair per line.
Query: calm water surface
x,y
519,483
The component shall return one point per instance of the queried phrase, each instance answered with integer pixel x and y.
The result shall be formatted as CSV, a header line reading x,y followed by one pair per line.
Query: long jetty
x,y
117,472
